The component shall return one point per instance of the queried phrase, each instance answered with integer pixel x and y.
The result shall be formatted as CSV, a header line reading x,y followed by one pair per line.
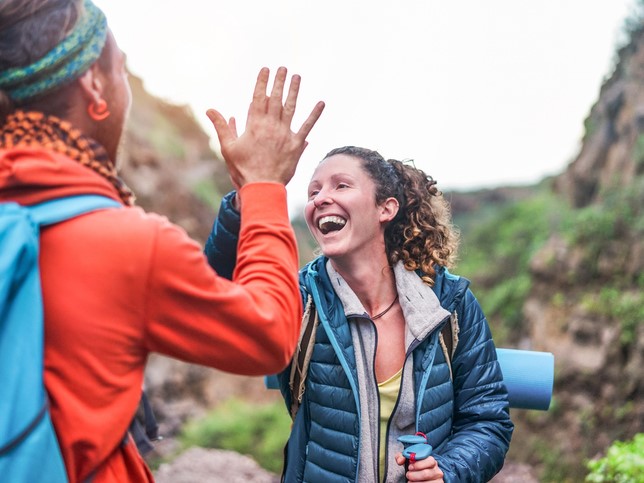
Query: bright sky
x,y
477,93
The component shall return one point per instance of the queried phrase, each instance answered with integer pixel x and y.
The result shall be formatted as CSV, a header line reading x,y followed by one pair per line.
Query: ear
x,y
388,210
92,85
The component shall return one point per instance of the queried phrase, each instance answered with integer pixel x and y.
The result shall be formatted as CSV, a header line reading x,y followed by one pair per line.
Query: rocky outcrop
x,y
586,304
167,160
612,153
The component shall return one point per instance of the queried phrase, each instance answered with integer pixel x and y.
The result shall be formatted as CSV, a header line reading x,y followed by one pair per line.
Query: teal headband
x,y
62,64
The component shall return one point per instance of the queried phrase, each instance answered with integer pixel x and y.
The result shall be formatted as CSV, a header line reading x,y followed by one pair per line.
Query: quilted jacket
x,y
466,419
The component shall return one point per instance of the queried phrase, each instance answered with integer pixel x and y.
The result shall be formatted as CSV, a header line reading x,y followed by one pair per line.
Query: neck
x,y
371,279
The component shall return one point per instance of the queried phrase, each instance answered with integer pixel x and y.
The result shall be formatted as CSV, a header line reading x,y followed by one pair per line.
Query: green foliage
x,y
619,215
591,225
628,205
496,255
555,469
623,306
307,246
260,431
638,150
506,243
206,190
506,299
622,412
624,462
590,126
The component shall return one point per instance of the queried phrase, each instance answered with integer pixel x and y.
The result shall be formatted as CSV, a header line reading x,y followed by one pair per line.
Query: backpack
x,y
29,448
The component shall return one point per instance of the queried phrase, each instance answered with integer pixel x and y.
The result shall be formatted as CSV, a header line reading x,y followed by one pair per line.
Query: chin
x,y
332,253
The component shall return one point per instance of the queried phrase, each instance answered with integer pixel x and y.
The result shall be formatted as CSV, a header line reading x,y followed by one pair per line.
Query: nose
x,y
321,198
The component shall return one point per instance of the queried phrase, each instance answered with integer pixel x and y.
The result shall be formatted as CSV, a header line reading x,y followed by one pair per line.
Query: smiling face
x,y
341,211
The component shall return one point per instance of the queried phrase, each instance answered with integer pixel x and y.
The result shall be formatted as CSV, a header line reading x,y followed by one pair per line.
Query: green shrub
x,y
497,253
554,467
592,225
625,307
257,430
623,463
506,299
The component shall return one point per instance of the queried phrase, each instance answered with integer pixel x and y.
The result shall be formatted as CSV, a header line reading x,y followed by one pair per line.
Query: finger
x,y
424,475
224,133
259,94
232,124
275,101
427,463
311,120
400,459
291,99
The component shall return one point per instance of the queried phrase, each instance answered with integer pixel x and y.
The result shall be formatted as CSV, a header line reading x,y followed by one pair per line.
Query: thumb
x,y
221,126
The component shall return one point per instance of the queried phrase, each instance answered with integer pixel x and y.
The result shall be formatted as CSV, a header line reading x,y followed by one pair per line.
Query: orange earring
x,y
98,110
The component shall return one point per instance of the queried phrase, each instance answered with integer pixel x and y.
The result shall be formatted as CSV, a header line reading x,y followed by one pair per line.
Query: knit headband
x,y
64,63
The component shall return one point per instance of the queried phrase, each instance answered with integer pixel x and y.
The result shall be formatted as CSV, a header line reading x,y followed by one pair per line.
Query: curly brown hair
x,y
421,234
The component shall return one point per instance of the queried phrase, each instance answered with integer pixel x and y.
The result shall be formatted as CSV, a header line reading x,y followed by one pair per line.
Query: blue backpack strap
x,y
62,209
28,445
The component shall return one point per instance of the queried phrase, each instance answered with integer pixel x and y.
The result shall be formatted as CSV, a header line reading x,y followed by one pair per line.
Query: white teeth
x,y
336,220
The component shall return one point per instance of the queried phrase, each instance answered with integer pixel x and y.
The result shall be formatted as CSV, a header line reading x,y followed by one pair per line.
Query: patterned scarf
x,y
34,129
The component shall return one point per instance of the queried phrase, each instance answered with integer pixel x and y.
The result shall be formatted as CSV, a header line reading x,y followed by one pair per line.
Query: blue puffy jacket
x,y
466,419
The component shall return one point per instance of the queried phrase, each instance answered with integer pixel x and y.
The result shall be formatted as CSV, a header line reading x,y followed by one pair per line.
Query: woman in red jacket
x,y
121,283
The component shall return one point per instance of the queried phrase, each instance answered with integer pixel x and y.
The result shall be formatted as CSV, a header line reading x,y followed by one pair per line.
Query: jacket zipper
x,y
410,351
402,380
373,370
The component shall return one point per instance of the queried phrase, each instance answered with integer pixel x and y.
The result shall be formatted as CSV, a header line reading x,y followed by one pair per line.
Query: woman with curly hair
x,y
401,344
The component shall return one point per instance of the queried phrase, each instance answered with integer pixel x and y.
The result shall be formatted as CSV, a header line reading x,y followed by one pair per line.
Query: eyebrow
x,y
342,175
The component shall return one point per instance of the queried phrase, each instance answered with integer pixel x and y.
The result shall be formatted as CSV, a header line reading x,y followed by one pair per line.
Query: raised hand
x,y
268,150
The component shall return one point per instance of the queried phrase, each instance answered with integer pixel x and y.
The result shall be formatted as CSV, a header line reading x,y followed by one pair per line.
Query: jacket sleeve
x,y
481,427
221,246
249,325
221,252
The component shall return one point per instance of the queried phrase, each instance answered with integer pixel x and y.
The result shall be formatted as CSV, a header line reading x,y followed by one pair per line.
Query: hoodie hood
x,y
33,175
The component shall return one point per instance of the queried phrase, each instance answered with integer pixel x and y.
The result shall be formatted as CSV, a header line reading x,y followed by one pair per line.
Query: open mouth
x,y
327,224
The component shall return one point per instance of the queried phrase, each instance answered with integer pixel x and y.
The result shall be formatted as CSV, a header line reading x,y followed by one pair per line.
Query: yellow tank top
x,y
388,390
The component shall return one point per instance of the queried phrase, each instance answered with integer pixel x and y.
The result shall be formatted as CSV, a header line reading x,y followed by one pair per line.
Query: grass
x,y
258,430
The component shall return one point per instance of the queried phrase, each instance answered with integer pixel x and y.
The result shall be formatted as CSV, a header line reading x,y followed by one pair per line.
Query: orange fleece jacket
x,y
121,283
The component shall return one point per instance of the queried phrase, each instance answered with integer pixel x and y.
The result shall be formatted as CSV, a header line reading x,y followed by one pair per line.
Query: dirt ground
x,y
218,466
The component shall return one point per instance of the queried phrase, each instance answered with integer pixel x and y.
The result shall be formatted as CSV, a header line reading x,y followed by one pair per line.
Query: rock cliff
x,y
586,305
